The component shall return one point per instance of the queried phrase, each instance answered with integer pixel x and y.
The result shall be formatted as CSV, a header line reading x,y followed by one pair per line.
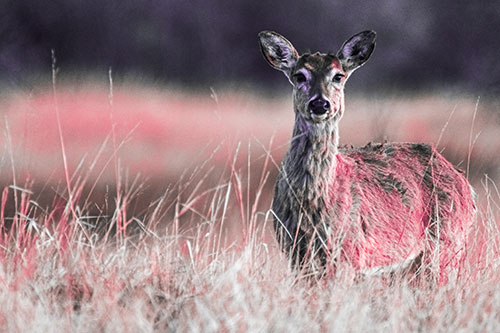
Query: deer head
x,y
318,79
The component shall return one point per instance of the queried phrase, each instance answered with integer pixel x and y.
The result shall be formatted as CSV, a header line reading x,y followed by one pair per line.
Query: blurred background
x,y
188,85
421,45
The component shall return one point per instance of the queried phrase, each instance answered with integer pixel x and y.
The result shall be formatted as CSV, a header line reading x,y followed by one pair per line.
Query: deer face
x,y
318,79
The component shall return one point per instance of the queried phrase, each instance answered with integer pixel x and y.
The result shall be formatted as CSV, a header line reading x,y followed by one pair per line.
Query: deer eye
x,y
299,78
337,78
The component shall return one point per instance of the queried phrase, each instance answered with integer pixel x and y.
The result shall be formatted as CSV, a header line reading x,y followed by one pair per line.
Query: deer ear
x,y
278,51
356,50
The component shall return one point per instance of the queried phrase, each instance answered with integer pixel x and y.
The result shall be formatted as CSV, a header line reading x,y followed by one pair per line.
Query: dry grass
x,y
58,274
103,249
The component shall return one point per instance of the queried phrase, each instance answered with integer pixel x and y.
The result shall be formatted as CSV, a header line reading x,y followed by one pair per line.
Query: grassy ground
x,y
138,209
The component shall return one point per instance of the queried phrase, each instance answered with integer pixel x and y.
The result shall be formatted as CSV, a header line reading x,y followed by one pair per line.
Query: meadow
x,y
130,207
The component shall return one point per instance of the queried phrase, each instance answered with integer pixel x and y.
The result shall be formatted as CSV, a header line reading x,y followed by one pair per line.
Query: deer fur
x,y
382,206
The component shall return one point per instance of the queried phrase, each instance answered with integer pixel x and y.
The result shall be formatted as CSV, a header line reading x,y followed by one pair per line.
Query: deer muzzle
x,y
319,108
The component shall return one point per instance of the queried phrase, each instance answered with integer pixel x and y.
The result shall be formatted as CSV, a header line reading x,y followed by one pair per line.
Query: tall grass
x,y
202,255
205,261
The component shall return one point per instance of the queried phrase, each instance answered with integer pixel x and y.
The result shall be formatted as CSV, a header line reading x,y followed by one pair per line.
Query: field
x,y
129,207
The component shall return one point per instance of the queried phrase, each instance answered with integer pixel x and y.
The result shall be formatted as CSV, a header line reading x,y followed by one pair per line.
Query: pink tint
x,y
165,132
387,216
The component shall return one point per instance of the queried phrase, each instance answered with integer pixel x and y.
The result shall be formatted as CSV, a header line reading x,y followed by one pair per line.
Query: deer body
x,y
373,207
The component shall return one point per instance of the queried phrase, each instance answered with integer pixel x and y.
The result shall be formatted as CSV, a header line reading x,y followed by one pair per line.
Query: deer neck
x,y
311,161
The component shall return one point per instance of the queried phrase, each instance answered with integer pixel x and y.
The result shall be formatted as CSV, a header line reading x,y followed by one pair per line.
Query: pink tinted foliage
x,y
168,130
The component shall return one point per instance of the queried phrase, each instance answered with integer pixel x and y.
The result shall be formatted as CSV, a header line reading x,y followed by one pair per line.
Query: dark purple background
x,y
422,45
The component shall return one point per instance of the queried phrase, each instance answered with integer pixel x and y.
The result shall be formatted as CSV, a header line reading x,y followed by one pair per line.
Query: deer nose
x,y
319,106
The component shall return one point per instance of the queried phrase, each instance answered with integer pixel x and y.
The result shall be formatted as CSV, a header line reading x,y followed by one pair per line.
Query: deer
x,y
384,207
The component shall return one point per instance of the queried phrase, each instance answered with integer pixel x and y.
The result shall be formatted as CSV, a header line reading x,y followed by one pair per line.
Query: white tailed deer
x,y
382,206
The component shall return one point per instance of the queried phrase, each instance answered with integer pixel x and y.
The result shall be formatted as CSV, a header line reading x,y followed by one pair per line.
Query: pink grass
x,y
200,255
